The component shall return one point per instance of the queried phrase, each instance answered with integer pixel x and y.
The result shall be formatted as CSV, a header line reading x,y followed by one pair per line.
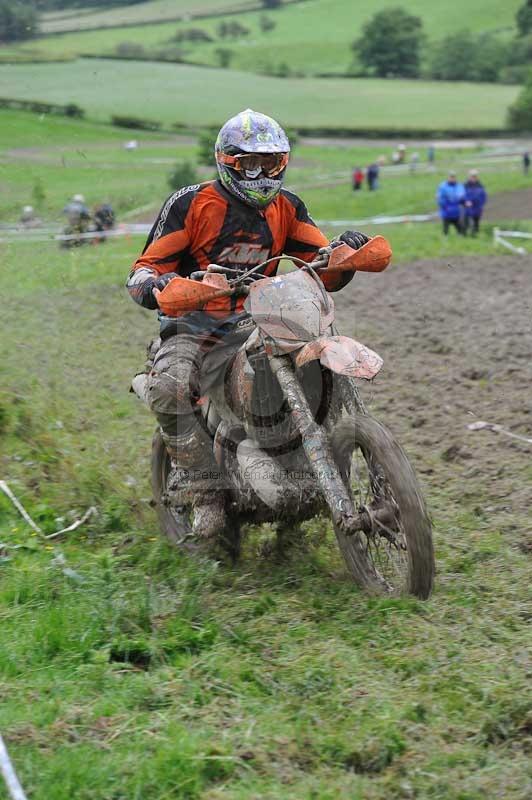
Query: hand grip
x,y
374,256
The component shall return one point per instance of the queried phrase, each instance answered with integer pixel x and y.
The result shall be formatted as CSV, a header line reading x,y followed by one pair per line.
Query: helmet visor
x,y
270,164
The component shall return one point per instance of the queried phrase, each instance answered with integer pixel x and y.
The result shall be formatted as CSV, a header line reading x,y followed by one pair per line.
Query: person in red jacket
x,y
238,221
358,178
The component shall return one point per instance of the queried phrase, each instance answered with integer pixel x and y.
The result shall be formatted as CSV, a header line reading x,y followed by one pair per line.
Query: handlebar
x,y
374,256
189,295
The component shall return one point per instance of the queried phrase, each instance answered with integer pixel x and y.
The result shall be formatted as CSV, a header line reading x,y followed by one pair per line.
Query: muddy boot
x,y
216,533
209,519
197,486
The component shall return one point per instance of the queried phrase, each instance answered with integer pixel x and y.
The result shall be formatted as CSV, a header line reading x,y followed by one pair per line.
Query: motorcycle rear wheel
x,y
379,476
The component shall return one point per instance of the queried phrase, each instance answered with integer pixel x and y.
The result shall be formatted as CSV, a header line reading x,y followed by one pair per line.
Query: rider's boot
x,y
197,481
209,518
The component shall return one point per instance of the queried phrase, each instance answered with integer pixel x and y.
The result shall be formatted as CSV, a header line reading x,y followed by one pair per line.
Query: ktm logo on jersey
x,y
243,253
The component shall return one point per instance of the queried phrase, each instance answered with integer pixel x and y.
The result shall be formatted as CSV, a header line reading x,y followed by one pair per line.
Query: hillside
x,y
150,11
198,96
310,37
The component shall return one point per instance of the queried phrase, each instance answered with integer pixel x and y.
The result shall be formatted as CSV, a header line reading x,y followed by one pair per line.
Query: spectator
x,y
451,196
77,214
475,199
414,161
402,153
28,218
358,177
104,217
431,154
372,176
526,162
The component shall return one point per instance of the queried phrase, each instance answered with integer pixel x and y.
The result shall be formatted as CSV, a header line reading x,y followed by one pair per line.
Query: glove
x,y
163,280
148,298
354,239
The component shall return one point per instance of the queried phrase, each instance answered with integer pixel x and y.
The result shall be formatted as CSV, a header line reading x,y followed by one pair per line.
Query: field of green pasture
x,y
59,155
310,37
175,93
62,156
65,156
151,11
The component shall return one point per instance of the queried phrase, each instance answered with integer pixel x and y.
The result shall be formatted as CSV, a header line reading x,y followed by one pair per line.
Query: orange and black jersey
x,y
204,224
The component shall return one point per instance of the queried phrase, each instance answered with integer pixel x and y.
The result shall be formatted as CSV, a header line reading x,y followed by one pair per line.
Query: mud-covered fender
x,y
342,355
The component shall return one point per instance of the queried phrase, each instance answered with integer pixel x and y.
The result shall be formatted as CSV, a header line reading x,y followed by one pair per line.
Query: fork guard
x,y
342,355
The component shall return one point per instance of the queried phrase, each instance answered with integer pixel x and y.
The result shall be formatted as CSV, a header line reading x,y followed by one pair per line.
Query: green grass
x,y
196,96
131,672
311,37
66,155
23,129
399,195
59,153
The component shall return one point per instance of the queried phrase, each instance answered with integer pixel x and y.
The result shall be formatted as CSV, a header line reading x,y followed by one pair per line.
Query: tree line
x,y
393,45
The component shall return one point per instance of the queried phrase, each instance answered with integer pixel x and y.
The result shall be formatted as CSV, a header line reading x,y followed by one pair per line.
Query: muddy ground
x,y
509,205
457,342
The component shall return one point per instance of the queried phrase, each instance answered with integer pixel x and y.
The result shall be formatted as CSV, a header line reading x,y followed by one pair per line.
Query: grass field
x,y
152,11
310,37
64,156
198,96
131,672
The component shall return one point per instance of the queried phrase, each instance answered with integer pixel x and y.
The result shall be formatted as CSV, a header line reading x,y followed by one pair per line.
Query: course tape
x,y
129,229
380,220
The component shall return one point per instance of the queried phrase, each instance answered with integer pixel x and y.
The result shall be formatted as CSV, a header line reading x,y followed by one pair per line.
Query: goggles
x,y
271,164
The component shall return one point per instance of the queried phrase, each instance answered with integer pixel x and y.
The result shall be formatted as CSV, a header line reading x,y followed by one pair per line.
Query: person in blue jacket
x,y
451,197
475,200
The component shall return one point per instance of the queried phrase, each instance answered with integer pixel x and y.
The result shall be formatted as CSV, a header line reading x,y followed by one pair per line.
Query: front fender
x,y
342,355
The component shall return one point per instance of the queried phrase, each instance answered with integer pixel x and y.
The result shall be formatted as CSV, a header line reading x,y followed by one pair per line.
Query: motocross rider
x,y
238,221
77,213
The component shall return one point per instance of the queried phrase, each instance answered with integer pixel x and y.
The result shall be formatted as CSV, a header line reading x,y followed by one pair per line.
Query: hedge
x,y
39,107
136,122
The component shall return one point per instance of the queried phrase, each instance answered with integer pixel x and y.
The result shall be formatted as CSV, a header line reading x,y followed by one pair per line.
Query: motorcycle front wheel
x,y
394,524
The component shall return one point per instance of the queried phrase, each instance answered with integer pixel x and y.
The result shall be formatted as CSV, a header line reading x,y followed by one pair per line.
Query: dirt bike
x,y
78,235
290,430
87,231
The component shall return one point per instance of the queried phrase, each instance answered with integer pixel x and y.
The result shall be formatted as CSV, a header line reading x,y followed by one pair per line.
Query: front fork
x,y
316,445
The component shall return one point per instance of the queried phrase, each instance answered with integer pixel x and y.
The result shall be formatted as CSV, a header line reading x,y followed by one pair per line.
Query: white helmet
x,y
78,198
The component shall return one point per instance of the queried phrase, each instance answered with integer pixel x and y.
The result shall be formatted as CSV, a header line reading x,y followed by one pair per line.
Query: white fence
x,y
501,237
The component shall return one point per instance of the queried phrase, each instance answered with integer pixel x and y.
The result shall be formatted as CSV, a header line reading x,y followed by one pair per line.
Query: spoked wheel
x,y
392,521
174,523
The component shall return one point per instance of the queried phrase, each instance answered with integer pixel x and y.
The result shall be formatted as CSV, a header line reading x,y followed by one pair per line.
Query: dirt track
x,y
509,205
457,342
